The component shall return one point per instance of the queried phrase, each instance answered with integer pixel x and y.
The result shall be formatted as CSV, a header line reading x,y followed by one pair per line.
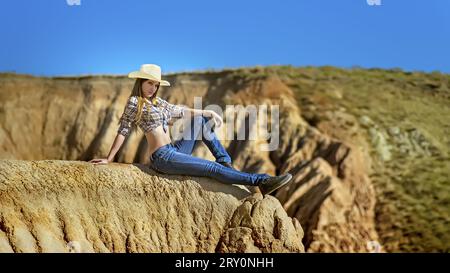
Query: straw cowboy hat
x,y
151,72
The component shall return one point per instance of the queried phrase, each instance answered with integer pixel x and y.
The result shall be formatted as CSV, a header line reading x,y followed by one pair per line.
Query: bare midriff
x,y
157,138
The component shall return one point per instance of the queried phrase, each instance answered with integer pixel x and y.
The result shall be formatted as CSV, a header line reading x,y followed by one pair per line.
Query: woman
x,y
152,114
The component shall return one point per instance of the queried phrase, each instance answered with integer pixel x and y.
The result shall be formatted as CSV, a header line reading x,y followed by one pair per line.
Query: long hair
x,y
137,91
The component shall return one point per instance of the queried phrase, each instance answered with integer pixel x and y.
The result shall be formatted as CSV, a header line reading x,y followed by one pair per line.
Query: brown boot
x,y
273,183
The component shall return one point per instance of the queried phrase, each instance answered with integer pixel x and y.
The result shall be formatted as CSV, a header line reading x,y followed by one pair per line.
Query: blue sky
x,y
50,37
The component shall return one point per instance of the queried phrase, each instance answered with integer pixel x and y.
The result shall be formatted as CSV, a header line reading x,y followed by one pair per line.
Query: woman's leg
x,y
171,161
195,126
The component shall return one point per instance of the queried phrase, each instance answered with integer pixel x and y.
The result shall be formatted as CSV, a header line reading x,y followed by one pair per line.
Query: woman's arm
x,y
192,111
118,141
179,111
124,130
207,113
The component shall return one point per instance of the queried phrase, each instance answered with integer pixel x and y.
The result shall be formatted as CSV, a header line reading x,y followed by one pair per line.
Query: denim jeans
x,y
176,158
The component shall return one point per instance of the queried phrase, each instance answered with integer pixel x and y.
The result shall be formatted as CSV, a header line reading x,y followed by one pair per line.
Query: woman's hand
x,y
216,118
99,161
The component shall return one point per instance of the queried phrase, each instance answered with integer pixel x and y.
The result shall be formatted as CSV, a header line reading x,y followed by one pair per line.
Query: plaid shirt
x,y
152,115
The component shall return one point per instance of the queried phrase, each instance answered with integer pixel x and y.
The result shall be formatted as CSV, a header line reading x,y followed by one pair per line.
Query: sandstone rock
x,y
87,128
72,206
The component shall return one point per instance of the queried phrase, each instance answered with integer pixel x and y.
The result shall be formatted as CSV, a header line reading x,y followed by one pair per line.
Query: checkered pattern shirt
x,y
152,115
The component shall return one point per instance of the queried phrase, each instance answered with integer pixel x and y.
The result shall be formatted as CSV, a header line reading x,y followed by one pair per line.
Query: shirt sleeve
x,y
128,116
177,111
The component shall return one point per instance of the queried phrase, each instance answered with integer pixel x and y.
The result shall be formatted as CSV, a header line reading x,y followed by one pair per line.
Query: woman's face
x,y
149,87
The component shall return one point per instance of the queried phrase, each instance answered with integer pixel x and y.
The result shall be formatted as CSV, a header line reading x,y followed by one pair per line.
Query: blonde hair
x,y
137,91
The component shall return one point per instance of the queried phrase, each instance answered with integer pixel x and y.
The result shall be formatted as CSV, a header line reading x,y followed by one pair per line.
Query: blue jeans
x,y
176,158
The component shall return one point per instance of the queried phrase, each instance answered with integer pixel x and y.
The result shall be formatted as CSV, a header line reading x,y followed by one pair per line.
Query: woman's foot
x,y
273,183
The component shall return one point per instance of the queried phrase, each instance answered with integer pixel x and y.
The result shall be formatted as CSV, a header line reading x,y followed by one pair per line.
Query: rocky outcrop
x,y
71,206
331,196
